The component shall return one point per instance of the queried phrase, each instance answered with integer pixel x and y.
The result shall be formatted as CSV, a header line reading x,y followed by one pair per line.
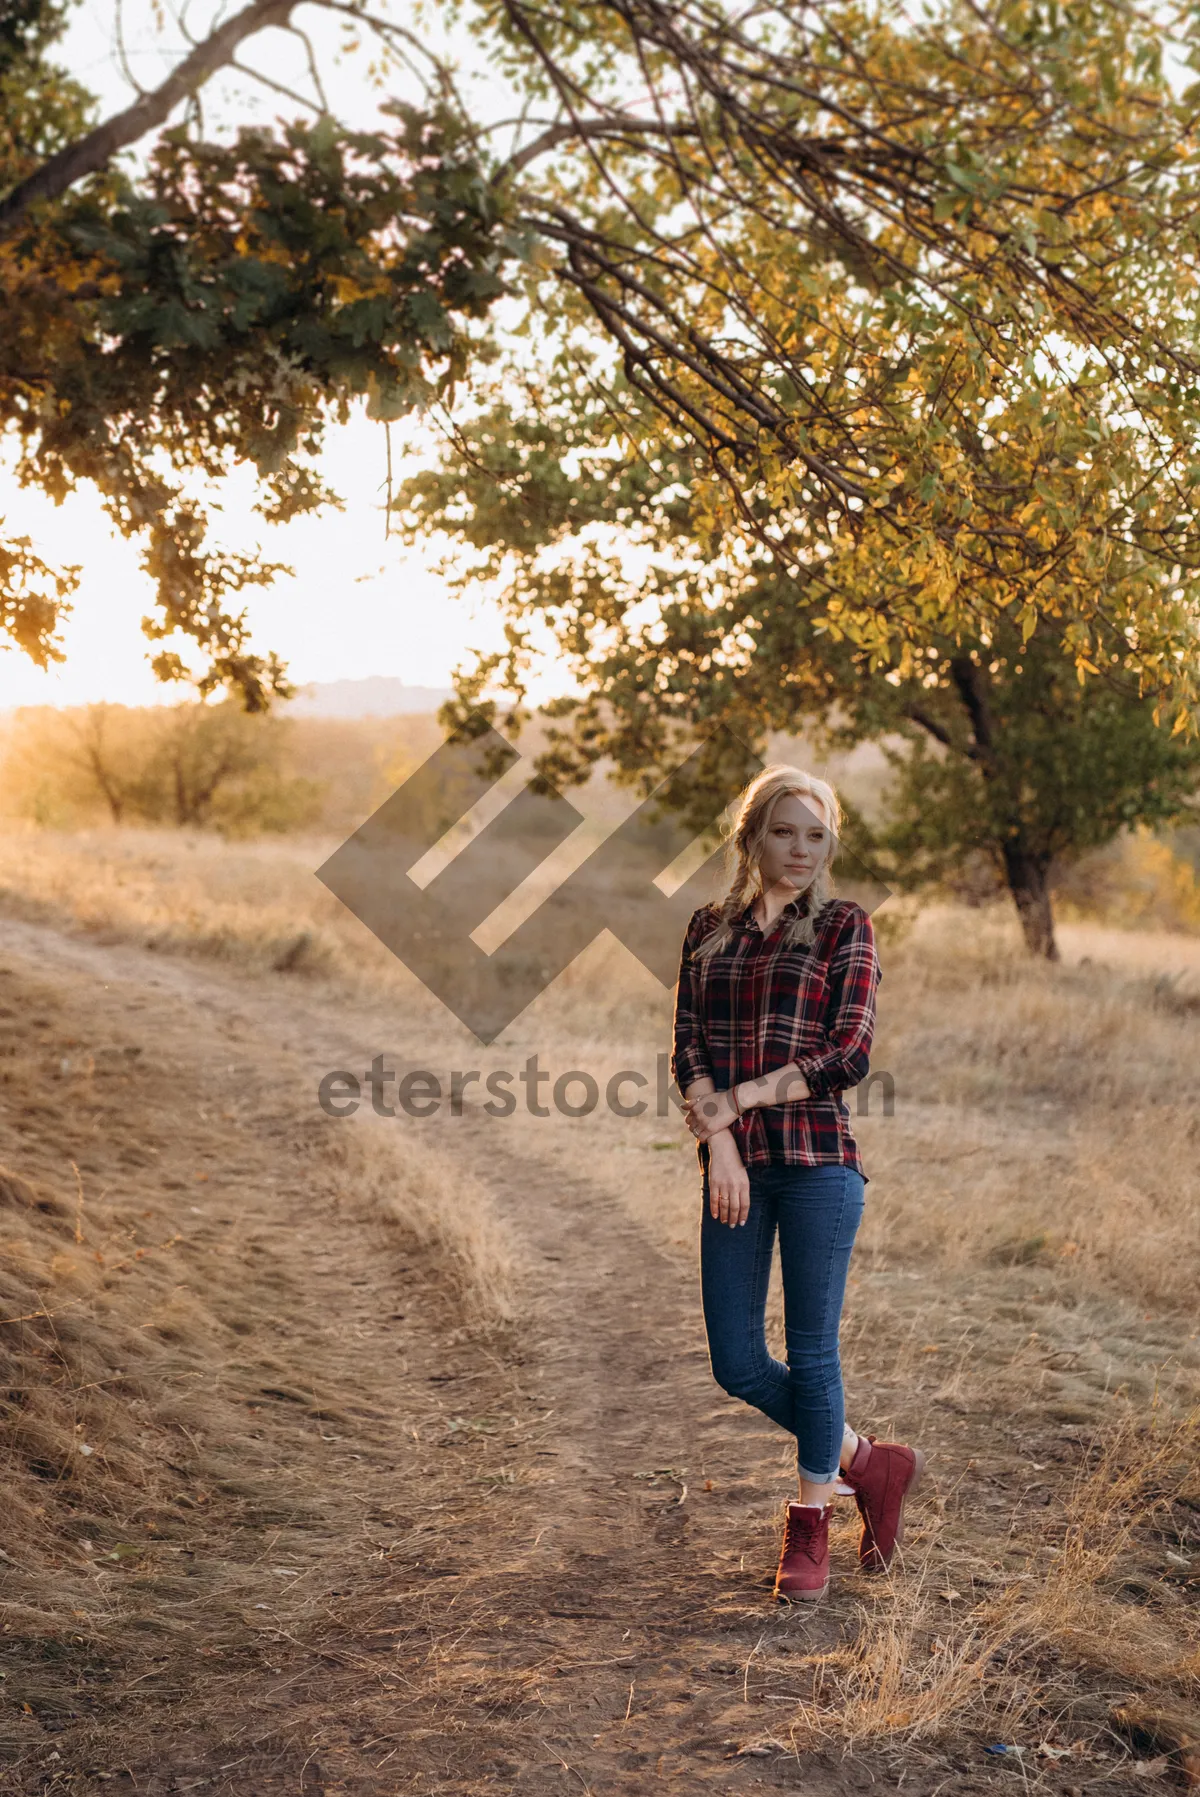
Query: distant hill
x,y
378,696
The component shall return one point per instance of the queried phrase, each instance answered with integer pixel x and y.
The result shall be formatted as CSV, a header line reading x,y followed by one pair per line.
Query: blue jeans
x,y
816,1212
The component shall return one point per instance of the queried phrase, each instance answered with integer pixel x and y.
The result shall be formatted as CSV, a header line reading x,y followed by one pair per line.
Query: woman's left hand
x,y
708,1115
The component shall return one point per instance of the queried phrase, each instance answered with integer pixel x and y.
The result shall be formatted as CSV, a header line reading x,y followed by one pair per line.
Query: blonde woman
x,y
774,1016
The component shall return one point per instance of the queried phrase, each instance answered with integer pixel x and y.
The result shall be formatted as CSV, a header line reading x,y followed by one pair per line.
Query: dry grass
x,y
142,1334
123,1329
189,892
136,1326
1030,1255
927,1661
435,1204
1047,1114
256,905
108,1369
1043,1115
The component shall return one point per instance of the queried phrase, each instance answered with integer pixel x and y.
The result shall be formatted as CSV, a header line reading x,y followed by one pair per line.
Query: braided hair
x,y
748,839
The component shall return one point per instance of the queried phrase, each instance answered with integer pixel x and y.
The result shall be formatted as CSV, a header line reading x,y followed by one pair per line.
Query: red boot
x,y
803,1574
883,1476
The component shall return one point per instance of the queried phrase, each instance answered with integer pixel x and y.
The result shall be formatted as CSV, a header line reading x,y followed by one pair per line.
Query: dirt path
x,y
538,1563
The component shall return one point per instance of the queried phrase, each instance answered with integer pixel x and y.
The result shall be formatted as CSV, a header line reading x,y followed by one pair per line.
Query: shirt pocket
x,y
799,1008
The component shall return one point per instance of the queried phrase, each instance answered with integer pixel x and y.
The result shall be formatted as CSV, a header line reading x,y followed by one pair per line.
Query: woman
x,y
774,1016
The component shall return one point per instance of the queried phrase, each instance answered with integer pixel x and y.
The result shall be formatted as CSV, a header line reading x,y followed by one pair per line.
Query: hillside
x,y
406,1471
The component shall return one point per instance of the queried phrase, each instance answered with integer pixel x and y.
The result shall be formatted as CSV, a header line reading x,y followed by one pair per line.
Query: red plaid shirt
x,y
757,1006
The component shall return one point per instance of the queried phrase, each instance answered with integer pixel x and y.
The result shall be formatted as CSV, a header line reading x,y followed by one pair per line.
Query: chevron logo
x,y
429,928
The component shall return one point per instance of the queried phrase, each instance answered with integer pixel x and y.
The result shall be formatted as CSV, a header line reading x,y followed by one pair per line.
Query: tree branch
x,y
96,149
916,715
573,130
972,690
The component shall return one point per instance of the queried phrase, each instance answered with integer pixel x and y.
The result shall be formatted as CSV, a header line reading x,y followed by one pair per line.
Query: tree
x,y
1009,756
823,258
1008,751
191,765
217,312
201,750
97,759
853,273
65,766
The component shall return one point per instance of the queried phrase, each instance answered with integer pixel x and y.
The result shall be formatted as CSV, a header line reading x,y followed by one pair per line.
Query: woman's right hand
x,y
728,1181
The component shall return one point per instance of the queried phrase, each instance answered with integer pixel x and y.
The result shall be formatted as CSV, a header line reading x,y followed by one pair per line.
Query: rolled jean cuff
x,y
819,1478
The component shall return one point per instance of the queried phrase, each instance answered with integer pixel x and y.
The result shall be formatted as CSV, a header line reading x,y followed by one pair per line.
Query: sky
x,y
357,603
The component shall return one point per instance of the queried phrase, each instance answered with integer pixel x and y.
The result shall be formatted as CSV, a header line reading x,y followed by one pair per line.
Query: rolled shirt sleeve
x,y
689,1052
854,976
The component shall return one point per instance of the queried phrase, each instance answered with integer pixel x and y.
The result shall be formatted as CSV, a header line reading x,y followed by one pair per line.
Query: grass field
x,y
1023,1293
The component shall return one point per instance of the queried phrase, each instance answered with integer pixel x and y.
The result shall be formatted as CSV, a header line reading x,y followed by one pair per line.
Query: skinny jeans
x,y
815,1211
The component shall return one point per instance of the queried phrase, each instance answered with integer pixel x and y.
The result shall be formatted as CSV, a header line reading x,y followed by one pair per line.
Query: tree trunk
x,y
113,797
182,801
1027,882
109,784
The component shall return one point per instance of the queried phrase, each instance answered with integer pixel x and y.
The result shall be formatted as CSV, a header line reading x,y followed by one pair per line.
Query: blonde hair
x,y
748,839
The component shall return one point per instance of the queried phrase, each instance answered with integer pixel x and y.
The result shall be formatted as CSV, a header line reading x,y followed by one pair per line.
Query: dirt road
x,y
428,1560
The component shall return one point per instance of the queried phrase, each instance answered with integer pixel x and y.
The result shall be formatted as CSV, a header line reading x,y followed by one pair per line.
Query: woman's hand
x,y
728,1181
709,1114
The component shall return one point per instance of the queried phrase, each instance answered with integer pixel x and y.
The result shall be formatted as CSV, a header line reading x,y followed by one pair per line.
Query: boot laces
x,y
802,1536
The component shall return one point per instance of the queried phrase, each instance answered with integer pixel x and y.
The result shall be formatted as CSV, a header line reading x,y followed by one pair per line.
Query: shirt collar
x,y
748,921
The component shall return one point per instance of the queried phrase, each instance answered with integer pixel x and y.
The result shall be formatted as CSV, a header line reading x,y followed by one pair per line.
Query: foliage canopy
x,y
905,306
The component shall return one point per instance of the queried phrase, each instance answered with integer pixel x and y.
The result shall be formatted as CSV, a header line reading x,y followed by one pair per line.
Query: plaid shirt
x,y
757,1006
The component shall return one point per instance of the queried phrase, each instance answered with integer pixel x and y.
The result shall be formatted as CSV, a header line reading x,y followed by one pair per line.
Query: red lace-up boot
x,y
882,1475
803,1574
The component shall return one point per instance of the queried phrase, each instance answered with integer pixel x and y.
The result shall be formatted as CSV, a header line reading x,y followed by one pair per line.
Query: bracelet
x,y
733,1098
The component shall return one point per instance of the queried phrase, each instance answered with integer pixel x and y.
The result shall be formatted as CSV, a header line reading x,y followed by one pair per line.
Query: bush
x,y
1140,879
191,764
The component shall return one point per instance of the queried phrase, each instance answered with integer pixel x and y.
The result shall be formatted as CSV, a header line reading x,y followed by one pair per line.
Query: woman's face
x,y
798,844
